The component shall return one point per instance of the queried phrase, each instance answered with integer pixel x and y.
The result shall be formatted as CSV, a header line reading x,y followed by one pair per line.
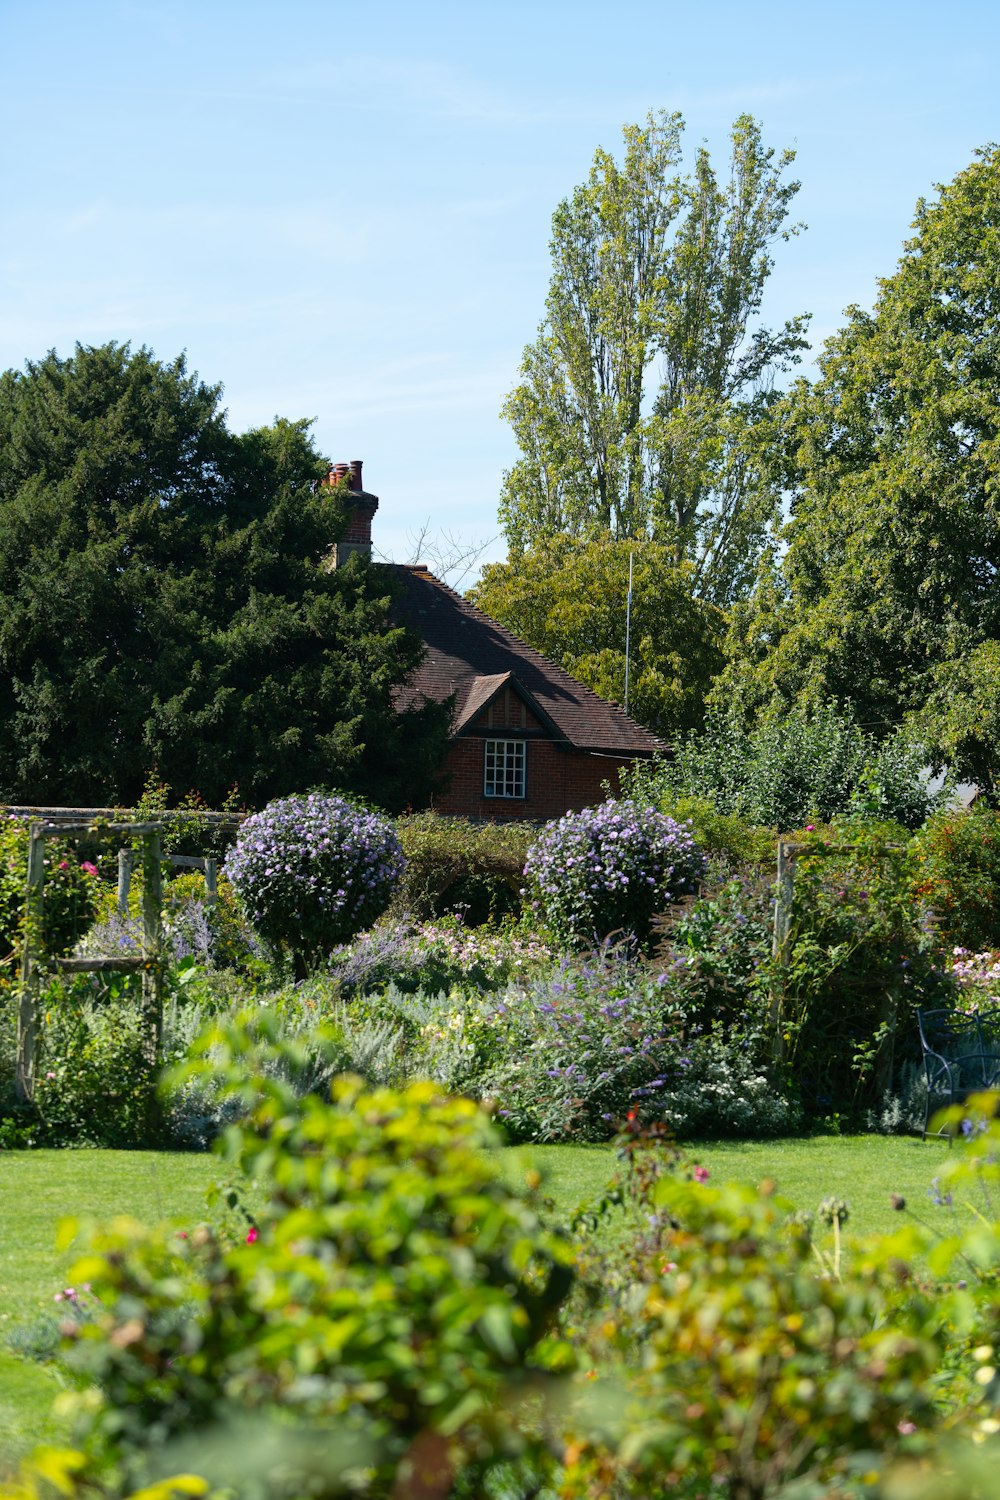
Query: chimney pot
x,y
361,509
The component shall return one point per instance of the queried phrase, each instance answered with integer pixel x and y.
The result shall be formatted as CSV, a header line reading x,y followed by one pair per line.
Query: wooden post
x,y
27,1006
124,880
211,881
784,896
152,942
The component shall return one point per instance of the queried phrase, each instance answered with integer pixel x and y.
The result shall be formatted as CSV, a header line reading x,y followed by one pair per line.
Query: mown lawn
x,y
38,1188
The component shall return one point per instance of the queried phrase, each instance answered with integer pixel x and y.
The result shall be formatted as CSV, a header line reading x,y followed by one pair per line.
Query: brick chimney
x,y
361,507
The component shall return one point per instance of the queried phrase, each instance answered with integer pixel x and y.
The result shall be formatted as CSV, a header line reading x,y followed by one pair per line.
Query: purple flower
x,y
314,870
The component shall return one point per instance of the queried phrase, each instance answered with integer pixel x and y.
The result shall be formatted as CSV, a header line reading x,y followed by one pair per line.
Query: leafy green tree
x,y
567,598
651,268
808,762
961,714
883,587
165,598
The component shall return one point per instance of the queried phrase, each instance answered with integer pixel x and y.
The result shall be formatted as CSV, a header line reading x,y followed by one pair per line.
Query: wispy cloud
x,y
389,84
437,383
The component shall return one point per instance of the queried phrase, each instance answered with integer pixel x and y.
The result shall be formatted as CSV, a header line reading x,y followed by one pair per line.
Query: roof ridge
x,y
472,609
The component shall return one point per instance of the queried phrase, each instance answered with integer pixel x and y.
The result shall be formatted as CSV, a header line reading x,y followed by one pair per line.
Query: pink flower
x,y
700,1174
252,1235
906,1428
810,828
88,868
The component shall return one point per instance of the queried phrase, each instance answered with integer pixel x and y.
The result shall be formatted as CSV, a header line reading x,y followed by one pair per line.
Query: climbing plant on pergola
x,y
36,962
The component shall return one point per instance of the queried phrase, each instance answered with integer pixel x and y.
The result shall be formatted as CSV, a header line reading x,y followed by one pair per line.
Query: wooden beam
x,y
152,943
100,965
27,1005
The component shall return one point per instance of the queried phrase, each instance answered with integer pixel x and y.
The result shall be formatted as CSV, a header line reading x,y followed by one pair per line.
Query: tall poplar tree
x,y
641,401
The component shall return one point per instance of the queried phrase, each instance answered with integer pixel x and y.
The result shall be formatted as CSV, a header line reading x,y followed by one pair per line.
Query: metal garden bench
x,y
961,1055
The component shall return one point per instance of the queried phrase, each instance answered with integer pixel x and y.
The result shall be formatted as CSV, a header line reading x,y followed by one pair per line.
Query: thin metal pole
x,y
628,627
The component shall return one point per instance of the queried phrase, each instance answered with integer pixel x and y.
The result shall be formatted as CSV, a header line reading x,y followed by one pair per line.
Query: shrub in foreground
x,y
762,1362
382,1327
383,1319
313,871
608,869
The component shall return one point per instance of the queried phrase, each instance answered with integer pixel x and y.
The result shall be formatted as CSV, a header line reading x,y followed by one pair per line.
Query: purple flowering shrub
x,y
609,869
434,957
312,871
567,1055
215,934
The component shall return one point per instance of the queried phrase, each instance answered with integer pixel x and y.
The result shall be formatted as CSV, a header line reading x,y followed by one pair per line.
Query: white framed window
x,y
503,768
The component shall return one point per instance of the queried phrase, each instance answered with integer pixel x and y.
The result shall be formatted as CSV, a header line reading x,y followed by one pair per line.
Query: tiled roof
x,y
469,654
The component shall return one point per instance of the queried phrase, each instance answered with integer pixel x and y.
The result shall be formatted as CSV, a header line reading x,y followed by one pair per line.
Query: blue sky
x,y
341,211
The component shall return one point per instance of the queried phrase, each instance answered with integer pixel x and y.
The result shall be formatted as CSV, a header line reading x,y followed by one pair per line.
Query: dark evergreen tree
x,y
165,599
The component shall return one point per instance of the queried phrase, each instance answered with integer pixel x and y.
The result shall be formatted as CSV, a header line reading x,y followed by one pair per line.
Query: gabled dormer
x,y
501,702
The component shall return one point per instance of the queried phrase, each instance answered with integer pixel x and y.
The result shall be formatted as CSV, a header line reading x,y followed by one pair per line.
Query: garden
x,y
503,1161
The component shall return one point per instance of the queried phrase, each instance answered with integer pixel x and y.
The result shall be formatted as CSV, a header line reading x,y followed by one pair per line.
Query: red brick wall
x,y
558,780
359,521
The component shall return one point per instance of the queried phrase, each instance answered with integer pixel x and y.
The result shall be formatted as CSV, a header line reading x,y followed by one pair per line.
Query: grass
x,y
863,1169
38,1188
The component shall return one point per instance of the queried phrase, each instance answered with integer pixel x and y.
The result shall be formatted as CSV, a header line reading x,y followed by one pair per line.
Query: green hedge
x,y
455,865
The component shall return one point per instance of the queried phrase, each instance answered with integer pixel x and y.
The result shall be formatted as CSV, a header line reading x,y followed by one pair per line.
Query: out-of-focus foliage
x,y
383,1314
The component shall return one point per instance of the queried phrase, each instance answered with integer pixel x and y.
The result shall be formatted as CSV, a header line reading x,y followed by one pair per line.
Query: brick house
x,y
528,740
